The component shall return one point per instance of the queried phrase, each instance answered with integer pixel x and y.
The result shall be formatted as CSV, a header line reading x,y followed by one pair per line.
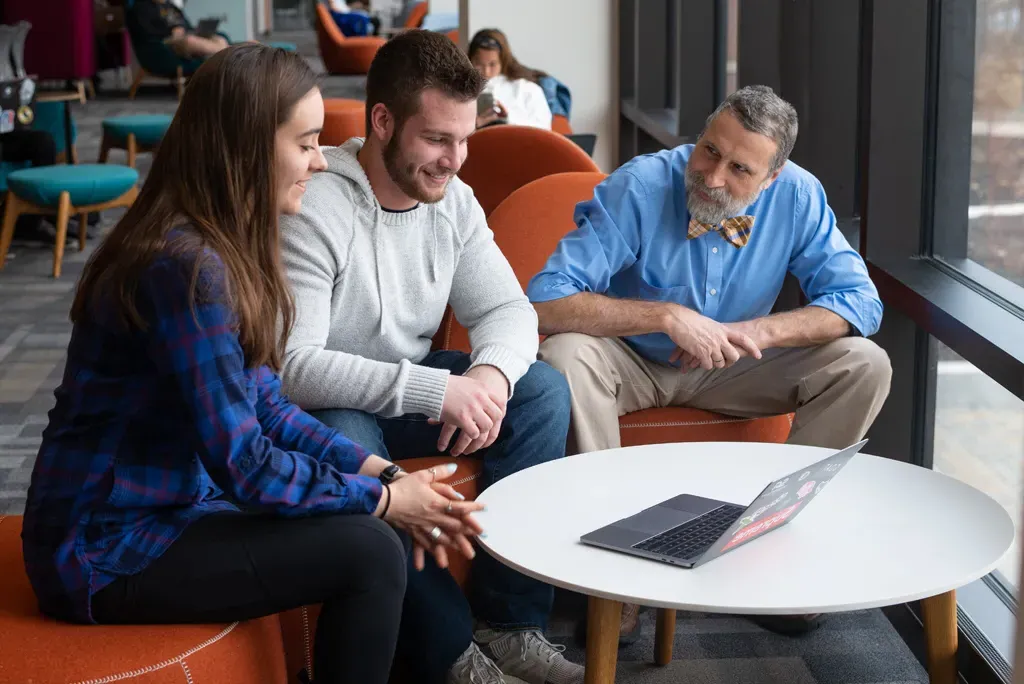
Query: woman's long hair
x,y
493,39
214,172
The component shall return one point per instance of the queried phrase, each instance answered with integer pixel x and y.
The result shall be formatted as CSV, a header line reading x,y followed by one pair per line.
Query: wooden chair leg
x,y
83,228
12,210
63,214
131,150
104,150
136,82
664,636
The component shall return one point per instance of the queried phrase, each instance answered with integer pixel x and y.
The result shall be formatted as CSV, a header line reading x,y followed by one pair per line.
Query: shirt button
x,y
714,250
713,292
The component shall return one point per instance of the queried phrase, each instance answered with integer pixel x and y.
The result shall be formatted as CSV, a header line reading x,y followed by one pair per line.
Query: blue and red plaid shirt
x,y
154,429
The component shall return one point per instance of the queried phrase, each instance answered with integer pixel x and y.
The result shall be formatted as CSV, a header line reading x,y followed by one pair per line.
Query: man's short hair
x,y
415,61
760,110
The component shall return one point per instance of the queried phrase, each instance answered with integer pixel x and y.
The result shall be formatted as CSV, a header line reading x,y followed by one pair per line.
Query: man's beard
x,y
404,175
721,206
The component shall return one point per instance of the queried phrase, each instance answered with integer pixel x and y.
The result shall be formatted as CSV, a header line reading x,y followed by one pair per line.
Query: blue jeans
x,y
437,623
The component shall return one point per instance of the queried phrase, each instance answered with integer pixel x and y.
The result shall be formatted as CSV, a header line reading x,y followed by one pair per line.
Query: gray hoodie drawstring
x,y
376,256
433,229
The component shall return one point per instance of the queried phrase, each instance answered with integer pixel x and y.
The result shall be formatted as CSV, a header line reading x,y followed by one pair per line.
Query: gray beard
x,y
722,204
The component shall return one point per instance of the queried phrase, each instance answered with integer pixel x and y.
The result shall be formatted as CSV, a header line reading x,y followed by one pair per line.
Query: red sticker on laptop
x,y
761,526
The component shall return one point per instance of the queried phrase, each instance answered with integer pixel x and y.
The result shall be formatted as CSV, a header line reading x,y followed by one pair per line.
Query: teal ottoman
x,y
133,133
282,45
64,190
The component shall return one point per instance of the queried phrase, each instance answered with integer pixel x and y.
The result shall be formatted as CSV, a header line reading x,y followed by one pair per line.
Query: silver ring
x,y
433,476
435,533
448,508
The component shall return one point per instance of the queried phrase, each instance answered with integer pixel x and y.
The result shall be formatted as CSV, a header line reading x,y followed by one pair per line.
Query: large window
x,y
979,439
979,212
996,212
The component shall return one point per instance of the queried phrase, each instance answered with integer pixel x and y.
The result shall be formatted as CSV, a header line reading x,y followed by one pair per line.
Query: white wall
x,y
575,41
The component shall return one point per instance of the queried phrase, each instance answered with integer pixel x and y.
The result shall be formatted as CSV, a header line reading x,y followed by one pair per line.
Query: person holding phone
x,y
511,94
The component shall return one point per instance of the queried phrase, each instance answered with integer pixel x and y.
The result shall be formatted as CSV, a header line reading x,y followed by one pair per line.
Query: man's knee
x,y
570,352
359,426
546,390
869,364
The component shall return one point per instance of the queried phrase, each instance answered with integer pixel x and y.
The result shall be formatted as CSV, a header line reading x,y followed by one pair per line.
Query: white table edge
x,y
775,610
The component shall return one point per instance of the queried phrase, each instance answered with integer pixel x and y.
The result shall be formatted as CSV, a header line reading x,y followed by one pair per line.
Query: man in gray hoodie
x,y
387,237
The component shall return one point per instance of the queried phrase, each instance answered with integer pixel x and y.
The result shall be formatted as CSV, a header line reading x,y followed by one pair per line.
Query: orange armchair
x,y
560,124
504,158
40,649
343,119
416,15
527,227
341,54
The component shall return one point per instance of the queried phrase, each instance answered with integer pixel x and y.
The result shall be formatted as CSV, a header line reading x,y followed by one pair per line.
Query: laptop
x,y
586,141
690,530
207,28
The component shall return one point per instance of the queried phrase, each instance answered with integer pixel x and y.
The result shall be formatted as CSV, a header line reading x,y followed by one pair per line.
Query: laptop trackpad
x,y
655,520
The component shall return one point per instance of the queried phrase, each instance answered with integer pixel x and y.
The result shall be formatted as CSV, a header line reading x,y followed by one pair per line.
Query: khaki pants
x,y
835,389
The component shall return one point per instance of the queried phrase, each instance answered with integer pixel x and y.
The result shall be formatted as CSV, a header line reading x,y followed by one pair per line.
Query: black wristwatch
x,y
388,475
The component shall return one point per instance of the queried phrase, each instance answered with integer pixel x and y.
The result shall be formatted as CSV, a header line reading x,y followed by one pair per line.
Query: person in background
x,y
162,20
517,97
39,149
175,482
354,18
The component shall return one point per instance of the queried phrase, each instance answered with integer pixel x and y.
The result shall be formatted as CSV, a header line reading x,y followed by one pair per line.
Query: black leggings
x,y
234,566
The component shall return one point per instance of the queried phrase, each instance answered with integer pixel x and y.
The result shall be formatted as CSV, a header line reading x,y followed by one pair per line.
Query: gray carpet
x,y
848,648
855,648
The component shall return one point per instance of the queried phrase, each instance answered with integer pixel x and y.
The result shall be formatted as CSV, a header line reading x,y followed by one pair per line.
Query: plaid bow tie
x,y
735,230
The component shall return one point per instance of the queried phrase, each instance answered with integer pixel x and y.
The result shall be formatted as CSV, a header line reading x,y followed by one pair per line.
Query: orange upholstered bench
x,y
40,650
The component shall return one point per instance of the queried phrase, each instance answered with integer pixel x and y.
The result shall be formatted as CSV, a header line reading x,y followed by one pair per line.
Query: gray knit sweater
x,y
371,287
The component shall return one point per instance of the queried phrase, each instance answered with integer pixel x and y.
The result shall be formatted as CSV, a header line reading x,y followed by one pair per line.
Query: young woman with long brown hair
x,y
175,482
517,96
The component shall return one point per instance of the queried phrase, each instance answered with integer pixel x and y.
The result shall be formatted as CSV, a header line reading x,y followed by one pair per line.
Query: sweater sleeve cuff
x,y
424,391
502,358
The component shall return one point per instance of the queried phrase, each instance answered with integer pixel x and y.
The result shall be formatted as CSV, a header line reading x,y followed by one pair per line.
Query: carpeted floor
x,y
855,648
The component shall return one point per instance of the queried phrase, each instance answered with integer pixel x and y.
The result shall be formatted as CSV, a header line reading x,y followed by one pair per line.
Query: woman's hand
x,y
432,513
498,113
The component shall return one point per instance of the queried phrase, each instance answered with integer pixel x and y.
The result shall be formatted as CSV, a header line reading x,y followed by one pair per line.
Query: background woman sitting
x,y
517,97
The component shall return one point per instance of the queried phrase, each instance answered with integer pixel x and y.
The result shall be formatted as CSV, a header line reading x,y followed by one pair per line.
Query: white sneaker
x,y
530,657
473,667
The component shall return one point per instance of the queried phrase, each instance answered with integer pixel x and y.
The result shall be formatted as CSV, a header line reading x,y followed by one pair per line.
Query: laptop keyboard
x,y
693,537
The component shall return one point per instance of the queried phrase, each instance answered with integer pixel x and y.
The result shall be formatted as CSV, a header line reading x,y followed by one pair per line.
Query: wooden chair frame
x,y
16,206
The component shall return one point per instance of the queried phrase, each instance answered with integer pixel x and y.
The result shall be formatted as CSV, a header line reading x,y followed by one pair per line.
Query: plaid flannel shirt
x,y
153,429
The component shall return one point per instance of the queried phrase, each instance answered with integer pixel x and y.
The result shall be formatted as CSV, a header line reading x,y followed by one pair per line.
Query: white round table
x,y
882,533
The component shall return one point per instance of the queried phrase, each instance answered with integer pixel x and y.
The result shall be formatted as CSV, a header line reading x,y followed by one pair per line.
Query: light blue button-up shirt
x,y
630,242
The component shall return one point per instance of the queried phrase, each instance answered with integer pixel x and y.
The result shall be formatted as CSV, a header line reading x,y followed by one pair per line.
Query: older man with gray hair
x,y
662,296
